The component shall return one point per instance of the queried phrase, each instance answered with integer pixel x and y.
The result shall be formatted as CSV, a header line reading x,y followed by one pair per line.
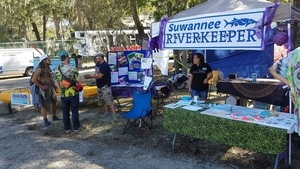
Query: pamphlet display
x,y
126,66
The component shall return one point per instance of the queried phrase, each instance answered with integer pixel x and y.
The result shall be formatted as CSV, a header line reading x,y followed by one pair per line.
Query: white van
x,y
17,61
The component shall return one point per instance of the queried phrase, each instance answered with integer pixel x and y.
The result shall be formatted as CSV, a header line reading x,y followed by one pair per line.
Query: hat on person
x,y
42,57
98,54
63,53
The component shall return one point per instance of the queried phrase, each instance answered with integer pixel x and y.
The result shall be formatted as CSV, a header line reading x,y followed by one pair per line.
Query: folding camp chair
x,y
213,82
141,111
160,91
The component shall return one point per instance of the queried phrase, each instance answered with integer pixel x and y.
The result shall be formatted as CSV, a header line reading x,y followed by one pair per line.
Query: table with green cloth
x,y
250,136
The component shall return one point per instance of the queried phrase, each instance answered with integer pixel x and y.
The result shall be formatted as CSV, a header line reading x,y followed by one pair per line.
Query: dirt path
x,y
25,143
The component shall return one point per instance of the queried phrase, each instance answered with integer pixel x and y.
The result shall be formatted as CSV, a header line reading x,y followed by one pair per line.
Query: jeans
x,y
73,102
202,94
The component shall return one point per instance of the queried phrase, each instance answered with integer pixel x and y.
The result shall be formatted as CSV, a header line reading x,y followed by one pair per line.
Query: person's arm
x,y
209,76
272,70
95,76
190,82
281,78
99,75
56,84
78,79
35,78
56,74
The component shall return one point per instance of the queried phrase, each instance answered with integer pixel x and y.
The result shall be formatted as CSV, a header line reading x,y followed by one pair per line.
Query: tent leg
x,y
173,142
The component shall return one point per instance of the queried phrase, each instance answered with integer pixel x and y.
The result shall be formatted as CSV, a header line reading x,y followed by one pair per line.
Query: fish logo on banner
x,y
240,22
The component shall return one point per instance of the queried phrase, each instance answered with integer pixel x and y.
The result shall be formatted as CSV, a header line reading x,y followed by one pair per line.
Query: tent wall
x,y
242,63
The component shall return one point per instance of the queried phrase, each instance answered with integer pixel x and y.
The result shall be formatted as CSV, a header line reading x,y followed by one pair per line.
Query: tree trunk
x,y
44,27
138,24
56,24
90,22
183,61
78,9
176,59
25,30
36,31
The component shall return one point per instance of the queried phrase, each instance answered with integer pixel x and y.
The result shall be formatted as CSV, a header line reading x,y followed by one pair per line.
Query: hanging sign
x,y
238,30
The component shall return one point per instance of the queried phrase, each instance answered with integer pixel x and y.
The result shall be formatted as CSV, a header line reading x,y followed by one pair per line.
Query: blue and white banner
x,y
234,30
20,98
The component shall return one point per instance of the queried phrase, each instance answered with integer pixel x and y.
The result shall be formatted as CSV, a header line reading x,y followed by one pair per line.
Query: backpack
x,y
180,81
41,75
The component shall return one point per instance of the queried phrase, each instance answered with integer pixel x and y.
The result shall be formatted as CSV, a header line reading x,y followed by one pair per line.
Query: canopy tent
x,y
283,12
224,24
238,11
227,25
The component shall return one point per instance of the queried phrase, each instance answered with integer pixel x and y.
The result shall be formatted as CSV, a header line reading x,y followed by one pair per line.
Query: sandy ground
x,y
25,143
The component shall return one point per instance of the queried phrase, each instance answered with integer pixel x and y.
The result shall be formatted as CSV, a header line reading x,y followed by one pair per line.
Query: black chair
x,y
160,91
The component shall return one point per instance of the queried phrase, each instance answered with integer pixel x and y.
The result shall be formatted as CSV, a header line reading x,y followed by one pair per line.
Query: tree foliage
x,y
36,20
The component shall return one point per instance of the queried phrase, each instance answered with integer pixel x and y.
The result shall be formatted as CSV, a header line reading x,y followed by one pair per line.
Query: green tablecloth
x,y
250,136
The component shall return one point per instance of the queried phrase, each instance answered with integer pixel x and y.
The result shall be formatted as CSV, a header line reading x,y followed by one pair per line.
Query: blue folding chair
x,y
141,111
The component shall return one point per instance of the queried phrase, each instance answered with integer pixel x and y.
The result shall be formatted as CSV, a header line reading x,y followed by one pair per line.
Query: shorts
x,y
202,94
105,95
49,98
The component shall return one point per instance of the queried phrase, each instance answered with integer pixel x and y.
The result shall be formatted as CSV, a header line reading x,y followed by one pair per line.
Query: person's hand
x,y
87,76
56,89
79,87
44,87
205,81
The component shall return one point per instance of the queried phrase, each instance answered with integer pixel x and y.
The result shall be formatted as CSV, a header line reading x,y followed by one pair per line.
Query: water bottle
x,y
254,76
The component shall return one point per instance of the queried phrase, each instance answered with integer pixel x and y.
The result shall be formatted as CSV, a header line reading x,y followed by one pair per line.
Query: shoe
x,y
67,131
107,114
55,118
47,124
77,130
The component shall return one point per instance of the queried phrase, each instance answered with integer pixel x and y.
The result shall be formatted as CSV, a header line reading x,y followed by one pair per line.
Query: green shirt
x,y
72,73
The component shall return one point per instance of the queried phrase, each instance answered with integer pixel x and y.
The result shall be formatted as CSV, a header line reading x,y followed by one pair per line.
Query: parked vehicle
x,y
18,61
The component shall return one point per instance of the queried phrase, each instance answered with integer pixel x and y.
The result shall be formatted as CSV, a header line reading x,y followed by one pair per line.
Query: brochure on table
x,y
252,115
128,66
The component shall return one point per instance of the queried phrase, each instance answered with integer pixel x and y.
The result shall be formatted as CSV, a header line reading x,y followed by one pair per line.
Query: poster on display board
x,y
126,66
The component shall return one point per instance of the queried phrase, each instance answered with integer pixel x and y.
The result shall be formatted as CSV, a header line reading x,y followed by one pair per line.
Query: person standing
x,y
77,59
43,89
66,77
200,74
103,81
287,71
